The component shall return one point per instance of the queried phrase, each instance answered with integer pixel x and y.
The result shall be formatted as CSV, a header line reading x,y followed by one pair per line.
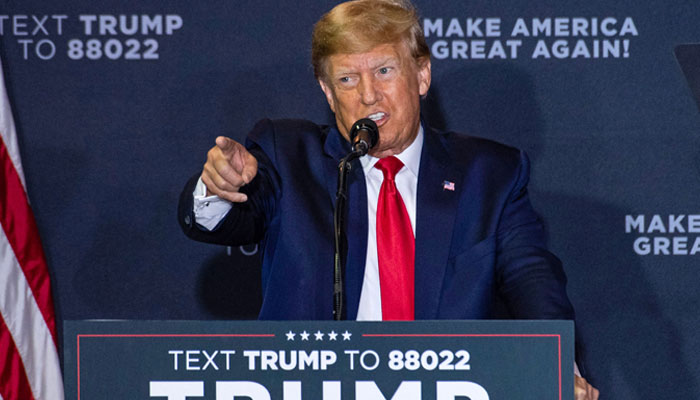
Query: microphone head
x,y
368,126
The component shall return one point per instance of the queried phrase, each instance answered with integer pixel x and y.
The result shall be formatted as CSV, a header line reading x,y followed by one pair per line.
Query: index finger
x,y
226,145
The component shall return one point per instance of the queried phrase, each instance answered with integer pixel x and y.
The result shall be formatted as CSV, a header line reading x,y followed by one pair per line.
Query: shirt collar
x,y
409,157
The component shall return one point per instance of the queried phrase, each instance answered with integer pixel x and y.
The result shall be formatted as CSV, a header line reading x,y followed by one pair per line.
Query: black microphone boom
x,y
364,135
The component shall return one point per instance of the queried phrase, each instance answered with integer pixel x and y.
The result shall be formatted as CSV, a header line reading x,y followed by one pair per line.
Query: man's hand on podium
x,y
229,166
583,390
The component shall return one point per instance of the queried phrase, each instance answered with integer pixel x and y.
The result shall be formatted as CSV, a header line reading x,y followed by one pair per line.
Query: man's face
x,y
383,84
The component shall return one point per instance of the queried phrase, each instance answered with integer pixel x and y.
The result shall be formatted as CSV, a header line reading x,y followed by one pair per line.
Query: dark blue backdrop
x,y
107,143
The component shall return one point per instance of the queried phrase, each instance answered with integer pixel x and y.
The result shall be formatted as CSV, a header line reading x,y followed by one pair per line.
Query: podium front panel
x,y
230,360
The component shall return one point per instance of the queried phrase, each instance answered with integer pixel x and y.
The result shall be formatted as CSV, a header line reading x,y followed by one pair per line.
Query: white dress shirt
x,y
208,210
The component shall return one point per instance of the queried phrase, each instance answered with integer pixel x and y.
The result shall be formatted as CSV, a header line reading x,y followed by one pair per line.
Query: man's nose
x,y
369,91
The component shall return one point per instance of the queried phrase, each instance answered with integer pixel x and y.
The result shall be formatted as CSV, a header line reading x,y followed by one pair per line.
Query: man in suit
x,y
439,224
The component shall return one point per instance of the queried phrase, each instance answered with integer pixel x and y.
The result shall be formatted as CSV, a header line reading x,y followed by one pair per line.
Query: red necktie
x,y
395,247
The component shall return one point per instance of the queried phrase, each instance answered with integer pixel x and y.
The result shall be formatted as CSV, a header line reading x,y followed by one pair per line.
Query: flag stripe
x,y
13,380
33,341
20,228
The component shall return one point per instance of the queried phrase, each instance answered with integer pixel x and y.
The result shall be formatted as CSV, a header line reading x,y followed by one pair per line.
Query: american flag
x,y
447,185
29,366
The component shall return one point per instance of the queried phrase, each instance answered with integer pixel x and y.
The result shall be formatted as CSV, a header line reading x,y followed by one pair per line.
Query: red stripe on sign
x,y
14,384
461,335
161,335
559,344
20,228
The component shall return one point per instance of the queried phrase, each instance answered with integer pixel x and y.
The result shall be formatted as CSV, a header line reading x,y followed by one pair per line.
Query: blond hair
x,y
360,25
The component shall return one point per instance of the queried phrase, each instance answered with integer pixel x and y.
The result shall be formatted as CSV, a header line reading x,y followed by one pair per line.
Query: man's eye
x,y
384,70
344,79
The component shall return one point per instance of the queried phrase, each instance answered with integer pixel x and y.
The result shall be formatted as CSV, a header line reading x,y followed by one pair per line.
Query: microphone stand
x,y
339,230
364,134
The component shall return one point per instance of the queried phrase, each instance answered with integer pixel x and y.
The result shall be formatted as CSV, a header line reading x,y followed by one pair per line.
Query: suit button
x,y
188,220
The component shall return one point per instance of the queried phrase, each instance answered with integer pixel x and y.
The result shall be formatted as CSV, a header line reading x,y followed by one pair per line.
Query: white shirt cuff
x,y
208,210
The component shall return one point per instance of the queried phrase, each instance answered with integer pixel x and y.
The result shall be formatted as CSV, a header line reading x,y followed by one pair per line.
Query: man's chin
x,y
379,152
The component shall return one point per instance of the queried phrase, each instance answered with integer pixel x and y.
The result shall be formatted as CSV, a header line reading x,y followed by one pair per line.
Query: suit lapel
x,y
335,148
435,217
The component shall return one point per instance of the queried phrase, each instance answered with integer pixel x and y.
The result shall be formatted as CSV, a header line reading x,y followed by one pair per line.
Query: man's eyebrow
x,y
384,61
343,71
346,70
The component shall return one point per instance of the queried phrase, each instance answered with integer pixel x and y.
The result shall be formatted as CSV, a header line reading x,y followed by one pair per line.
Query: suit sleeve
x,y
245,223
531,279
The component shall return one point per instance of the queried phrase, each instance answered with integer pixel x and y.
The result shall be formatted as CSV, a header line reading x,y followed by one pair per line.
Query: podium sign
x,y
318,360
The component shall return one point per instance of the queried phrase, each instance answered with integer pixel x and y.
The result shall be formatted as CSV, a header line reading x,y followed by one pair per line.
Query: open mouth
x,y
379,117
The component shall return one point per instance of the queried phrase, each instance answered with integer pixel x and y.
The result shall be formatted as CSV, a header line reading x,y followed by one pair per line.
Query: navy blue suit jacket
x,y
475,244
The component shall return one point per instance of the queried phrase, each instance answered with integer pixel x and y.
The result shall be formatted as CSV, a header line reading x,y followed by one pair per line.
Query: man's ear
x,y
329,94
424,76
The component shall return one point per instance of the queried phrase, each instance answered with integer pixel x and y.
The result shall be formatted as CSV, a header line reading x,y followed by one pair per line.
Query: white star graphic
x,y
332,335
346,335
304,335
319,335
290,335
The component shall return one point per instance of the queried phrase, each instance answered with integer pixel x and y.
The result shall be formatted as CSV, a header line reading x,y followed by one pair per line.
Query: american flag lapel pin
x,y
447,185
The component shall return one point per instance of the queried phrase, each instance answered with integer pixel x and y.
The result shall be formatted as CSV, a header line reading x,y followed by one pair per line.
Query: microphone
x,y
364,135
